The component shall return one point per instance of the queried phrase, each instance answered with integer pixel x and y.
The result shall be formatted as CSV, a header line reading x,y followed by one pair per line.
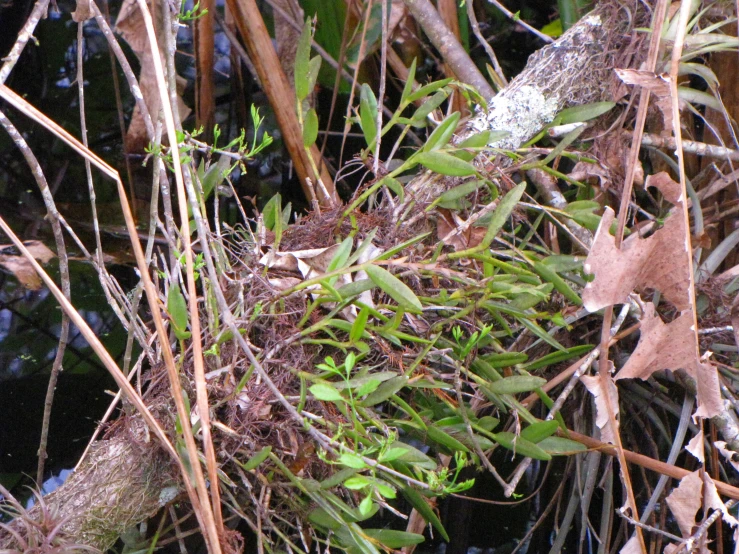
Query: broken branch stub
x,y
577,69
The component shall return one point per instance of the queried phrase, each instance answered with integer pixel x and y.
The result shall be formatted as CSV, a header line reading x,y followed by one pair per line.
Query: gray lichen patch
x,y
521,114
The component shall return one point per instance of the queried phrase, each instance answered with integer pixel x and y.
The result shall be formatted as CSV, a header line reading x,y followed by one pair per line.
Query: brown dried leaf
x,y
659,262
21,268
632,546
695,447
594,385
672,346
130,25
659,86
83,12
455,232
713,500
731,456
584,171
685,501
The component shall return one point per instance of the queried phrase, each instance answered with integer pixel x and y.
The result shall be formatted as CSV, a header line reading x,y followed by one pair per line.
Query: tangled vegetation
x,y
324,380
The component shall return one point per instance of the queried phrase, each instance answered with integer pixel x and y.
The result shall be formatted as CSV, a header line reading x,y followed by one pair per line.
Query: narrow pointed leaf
x,y
446,164
394,287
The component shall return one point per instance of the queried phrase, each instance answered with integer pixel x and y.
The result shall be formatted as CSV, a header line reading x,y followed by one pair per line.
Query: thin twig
x,y
61,251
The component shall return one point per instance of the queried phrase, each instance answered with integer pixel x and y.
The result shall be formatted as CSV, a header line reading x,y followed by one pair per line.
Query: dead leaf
x,y
695,447
21,268
655,262
685,501
632,546
83,12
130,25
594,385
659,86
455,232
731,456
584,171
672,346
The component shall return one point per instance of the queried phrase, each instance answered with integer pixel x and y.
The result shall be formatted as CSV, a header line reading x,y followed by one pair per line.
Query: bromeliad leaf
x,y
394,287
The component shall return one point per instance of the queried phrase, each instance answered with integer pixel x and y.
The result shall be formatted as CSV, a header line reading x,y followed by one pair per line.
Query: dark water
x,y
29,328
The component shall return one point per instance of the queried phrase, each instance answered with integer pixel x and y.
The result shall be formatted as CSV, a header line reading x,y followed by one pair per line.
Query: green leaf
x,y
359,325
368,387
560,446
394,539
516,384
302,62
415,499
556,357
396,187
541,333
340,257
442,134
537,432
258,458
428,89
326,393
445,164
385,391
272,211
415,458
322,518
445,440
502,212
394,287
562,262
549,275
355,288
505,359
408,87
579,114
356,483
521,446
386,491
365,506
368,113
460,191
352,460
213,177
339,477
177,308
393,454
419,117
474,142
310,128
488,423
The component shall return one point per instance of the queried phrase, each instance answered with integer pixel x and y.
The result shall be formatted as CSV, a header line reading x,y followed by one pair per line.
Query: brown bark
x,y
121,483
